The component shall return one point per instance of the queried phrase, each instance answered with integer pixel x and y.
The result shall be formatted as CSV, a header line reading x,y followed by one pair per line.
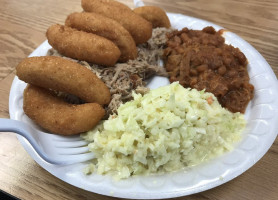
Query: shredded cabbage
x,y
165,130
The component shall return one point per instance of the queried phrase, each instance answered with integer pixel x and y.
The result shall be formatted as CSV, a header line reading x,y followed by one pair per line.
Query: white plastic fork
x,y
54,149
138,3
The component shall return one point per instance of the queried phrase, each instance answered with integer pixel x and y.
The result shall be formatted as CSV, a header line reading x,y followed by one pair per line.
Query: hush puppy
x,y
155,15
107,28
138,27
63,75
82,46
57,116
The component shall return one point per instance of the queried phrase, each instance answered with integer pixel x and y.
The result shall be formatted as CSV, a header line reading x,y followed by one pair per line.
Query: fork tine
x,y
71,159
64,144
60,138
72,151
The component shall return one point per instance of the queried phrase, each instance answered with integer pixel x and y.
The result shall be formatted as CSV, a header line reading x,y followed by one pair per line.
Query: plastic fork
x,y
138,3
54,149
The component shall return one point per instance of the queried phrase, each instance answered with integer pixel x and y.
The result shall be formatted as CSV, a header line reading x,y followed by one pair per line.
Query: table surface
x,y
23,26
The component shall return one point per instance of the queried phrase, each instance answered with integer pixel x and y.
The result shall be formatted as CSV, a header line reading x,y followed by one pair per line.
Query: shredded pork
x,y
123,78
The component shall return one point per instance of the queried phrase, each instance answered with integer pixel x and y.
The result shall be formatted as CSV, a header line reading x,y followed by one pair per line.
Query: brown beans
x,y
202,68
193,72
232,73
202,60
222,70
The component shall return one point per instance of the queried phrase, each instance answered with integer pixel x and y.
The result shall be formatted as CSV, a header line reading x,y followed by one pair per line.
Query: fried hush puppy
x,y
107,28
57,116
63,75
155,15
82,46
138,27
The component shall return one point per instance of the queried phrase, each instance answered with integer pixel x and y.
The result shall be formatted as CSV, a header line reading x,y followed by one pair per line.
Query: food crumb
x,y
210,100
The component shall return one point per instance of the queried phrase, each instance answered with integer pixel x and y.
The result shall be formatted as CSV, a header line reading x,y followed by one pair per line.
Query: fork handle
x,y
9,125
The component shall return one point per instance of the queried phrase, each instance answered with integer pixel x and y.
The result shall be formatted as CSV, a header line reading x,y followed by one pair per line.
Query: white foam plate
x,y
260,133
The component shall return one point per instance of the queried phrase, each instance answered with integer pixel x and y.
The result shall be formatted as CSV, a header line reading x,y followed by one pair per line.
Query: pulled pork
x,y
123,78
